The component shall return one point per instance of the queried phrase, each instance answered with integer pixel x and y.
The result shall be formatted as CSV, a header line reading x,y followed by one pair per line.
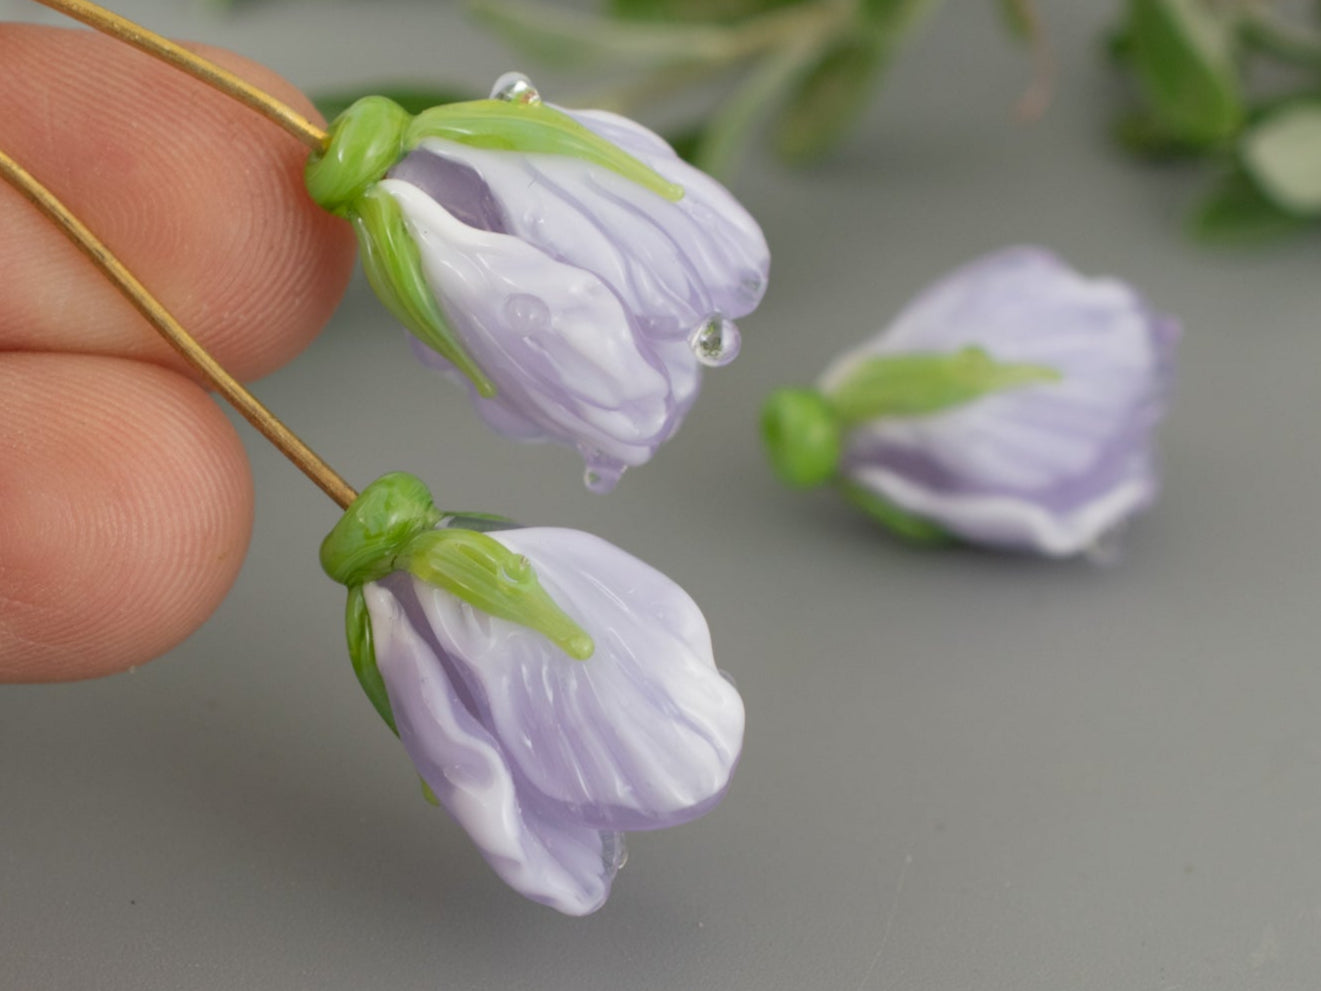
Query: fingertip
x,y
127,510
200,197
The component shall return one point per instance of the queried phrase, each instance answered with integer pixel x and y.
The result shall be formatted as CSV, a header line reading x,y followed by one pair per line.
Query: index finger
x,y
199,196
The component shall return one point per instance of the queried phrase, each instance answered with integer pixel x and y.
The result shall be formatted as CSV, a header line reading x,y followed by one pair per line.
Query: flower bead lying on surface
x,y
542,757
1011,404
568,264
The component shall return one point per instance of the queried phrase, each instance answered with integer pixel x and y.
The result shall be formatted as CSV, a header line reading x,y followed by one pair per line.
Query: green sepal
x,y
922,383
376,527
1183,53
365,141
428,795
803,437
487,575
901,522
532,128
362,652
393,264
464,519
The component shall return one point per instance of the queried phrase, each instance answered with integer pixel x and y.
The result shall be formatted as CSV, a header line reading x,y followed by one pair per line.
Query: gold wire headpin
x,y
96,16
252,410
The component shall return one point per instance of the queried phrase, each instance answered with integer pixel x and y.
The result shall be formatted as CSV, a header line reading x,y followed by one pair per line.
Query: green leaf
x,y
727,134
1183,52
575,39
393,264
922,383
1236,212
1020,19
687,141
481,571
1282,153
829,99
413,97
362,652
899,521
1143,134
533,128
718,11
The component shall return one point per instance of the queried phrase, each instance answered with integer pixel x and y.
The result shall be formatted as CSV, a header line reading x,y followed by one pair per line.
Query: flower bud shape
x,y
551,690
1012,404
567,265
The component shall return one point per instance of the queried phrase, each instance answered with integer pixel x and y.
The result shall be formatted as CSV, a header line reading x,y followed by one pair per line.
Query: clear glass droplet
x,y
514,87
602,473
716,342
614,854
751,285
1107,549
527,314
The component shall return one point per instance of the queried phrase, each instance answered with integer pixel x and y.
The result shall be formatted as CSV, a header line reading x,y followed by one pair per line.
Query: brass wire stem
x,y
289,444
113,24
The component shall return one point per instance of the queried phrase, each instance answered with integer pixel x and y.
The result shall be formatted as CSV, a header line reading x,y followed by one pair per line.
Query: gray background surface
x,y
962,771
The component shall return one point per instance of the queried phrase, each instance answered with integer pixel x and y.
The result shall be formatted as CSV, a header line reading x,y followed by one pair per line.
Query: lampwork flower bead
x,y
551,690
568,264
1012,404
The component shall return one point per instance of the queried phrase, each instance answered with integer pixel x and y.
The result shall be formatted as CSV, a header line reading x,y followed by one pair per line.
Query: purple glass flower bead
x,y
1052,451
590,301
545,760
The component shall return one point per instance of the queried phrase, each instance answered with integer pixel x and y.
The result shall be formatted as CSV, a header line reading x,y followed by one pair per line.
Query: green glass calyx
x,y
365,143
803,437
376,529
481,571
391,527
922,383
532,128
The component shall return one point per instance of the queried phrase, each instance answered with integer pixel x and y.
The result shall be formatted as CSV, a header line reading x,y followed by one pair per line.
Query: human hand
x,y
125,494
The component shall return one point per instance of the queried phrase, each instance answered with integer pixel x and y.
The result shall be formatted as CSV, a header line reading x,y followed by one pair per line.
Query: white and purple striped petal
x,y
562,244
555,339
565,865
1049,467
543,758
